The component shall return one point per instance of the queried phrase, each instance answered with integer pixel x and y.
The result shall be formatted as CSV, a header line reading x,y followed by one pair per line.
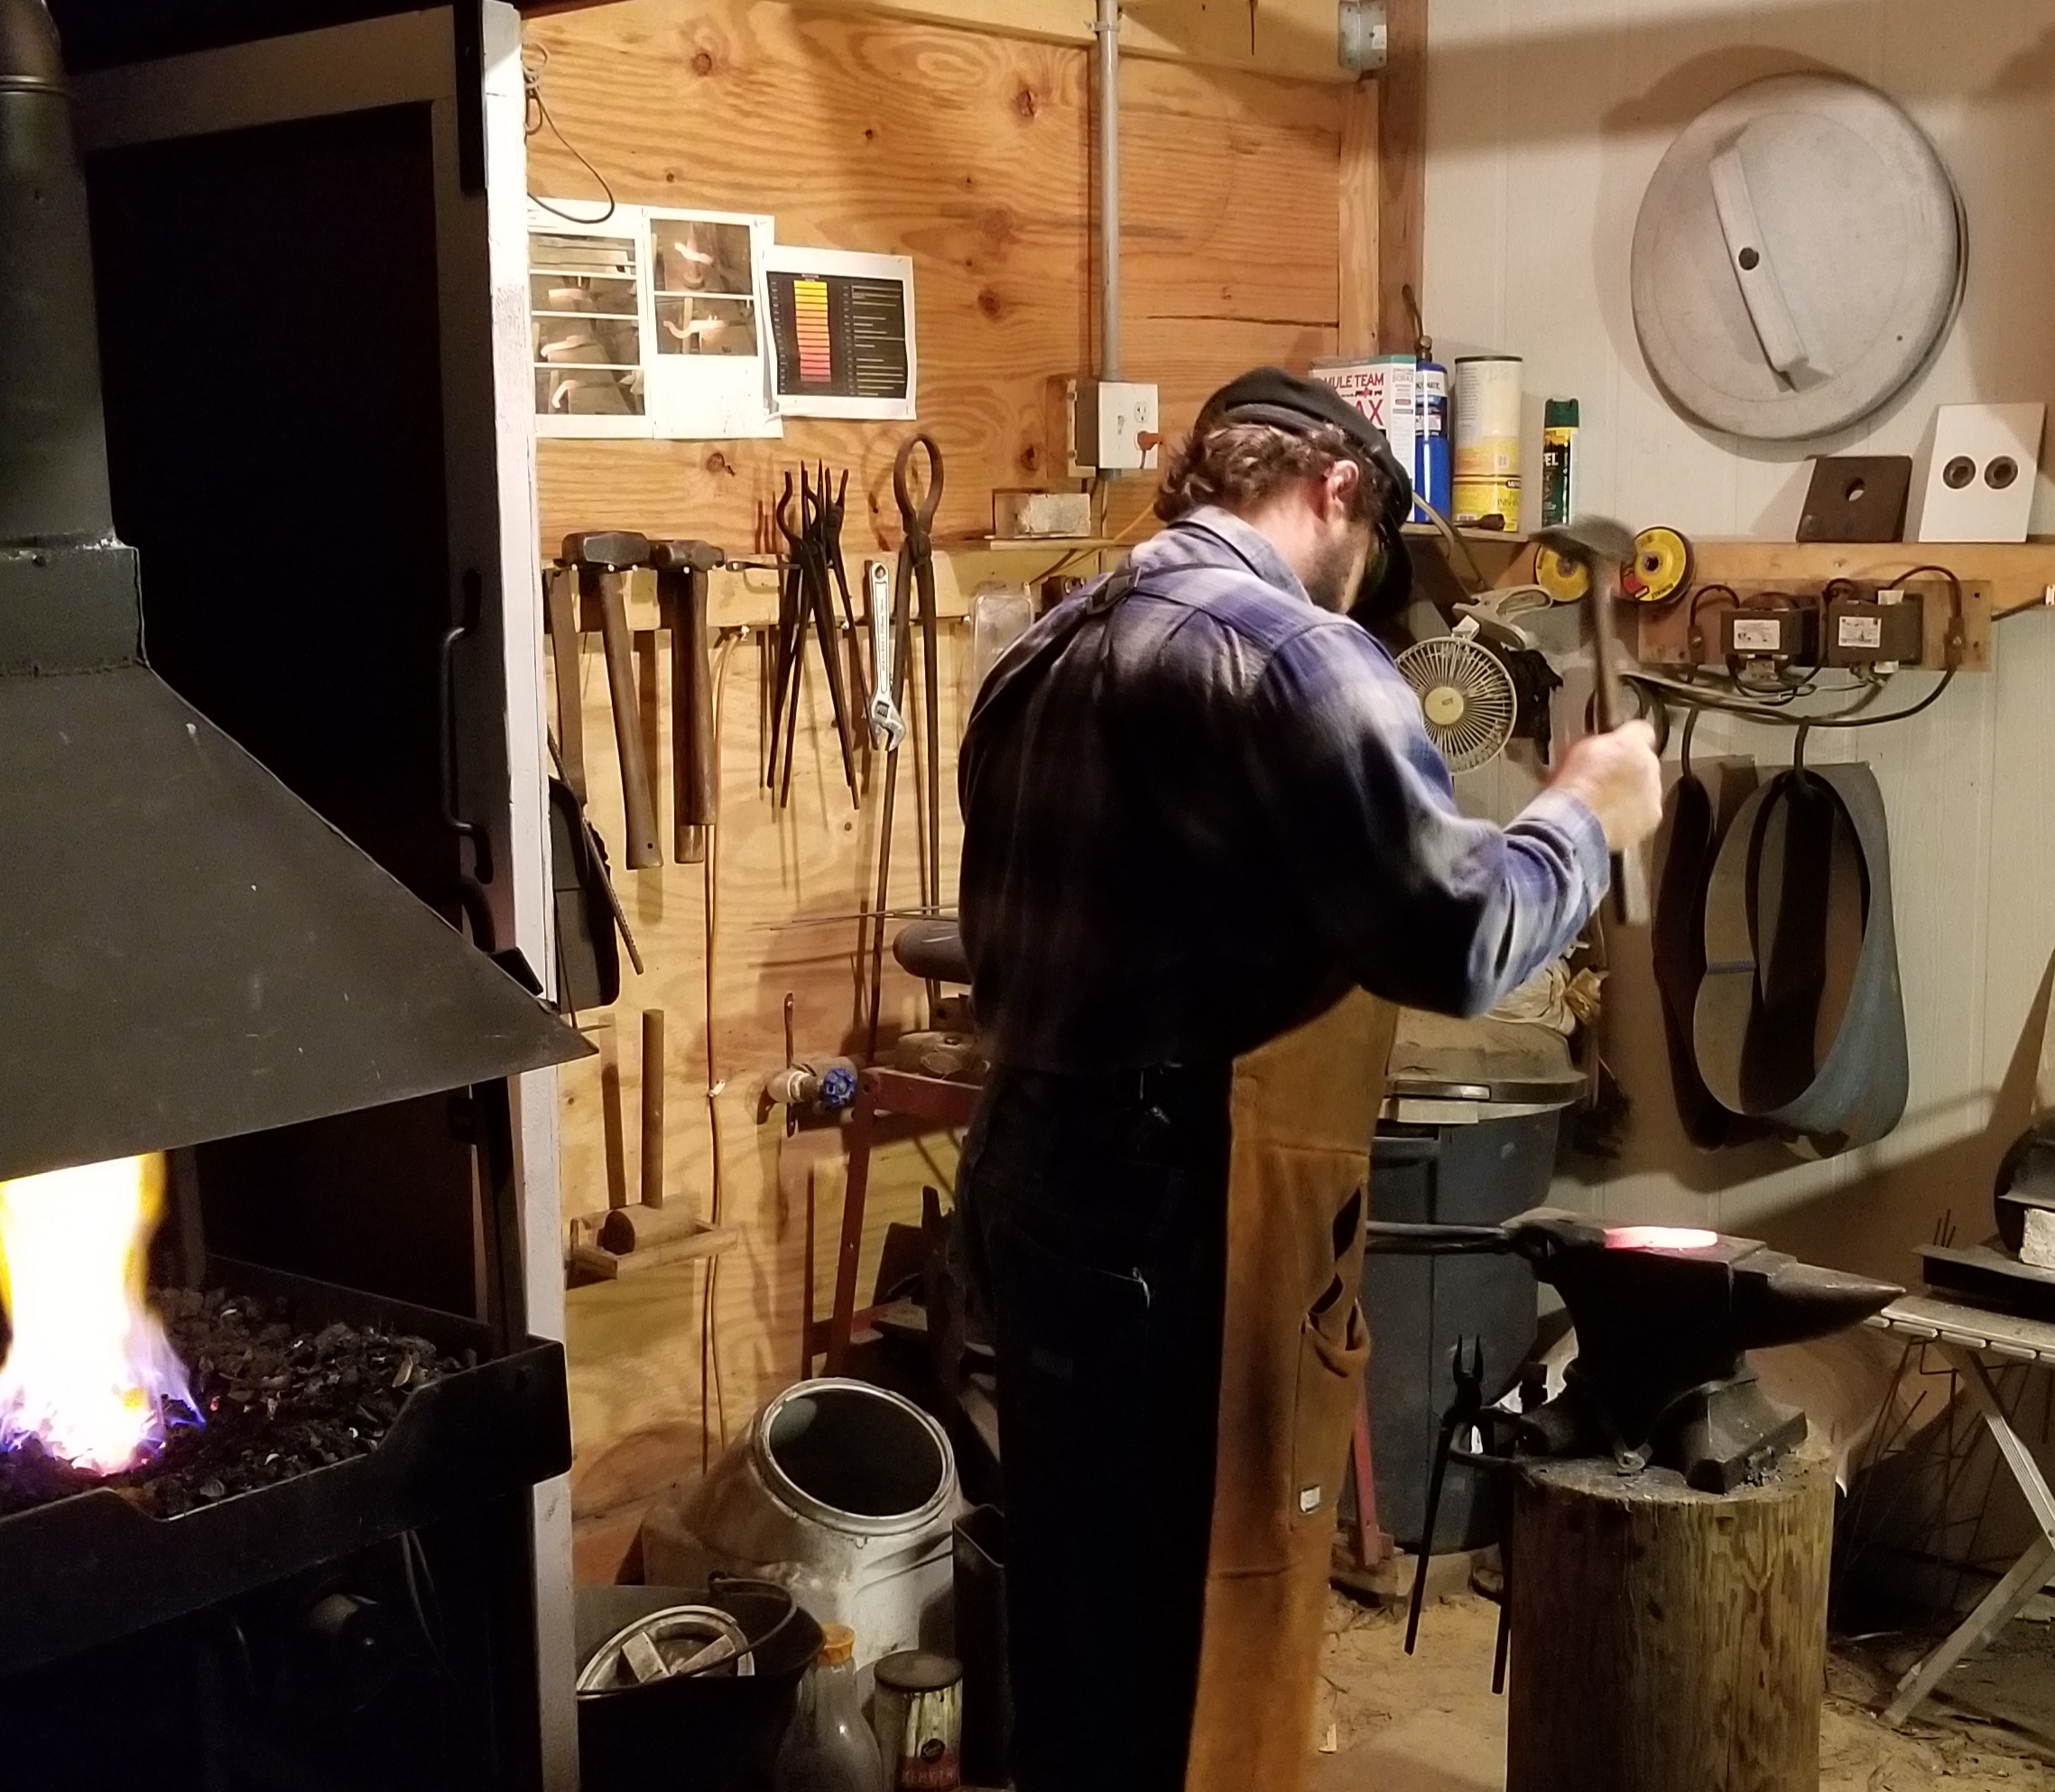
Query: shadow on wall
x,y
1871,1226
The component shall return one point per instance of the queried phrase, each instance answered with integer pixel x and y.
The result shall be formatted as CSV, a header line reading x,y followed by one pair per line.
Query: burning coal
x,y
88,1372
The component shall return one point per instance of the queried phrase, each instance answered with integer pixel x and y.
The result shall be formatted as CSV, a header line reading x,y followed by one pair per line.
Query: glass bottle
x,y
829,1747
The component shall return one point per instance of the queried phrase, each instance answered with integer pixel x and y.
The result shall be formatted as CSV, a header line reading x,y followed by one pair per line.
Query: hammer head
x,y
605,550
686,555
1594,540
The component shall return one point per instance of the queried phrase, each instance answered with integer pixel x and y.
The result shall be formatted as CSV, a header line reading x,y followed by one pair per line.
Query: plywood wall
x,y
970,152
1544,123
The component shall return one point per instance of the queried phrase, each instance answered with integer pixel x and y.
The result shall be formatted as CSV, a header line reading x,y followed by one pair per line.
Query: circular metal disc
x,y
1799,254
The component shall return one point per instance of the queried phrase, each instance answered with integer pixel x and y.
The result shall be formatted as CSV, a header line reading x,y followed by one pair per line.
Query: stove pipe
x,y
186,950
54,453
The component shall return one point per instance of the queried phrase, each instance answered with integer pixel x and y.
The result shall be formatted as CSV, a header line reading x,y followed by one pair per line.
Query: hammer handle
x,y
1630,870
560,605
605,591
691,712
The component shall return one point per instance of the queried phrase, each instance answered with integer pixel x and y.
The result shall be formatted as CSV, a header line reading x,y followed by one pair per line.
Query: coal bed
x,y
275,1402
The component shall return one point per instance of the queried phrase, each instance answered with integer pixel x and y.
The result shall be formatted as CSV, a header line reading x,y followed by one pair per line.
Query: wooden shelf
x,y
2019,575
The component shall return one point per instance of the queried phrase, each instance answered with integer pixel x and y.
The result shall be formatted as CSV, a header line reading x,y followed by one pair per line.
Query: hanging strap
x,y
1798,923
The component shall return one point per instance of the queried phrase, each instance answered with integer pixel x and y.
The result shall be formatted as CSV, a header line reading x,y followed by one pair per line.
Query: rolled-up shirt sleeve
x,y
1425,907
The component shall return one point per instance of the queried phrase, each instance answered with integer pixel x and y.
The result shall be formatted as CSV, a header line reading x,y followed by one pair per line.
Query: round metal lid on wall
x,y
1799,254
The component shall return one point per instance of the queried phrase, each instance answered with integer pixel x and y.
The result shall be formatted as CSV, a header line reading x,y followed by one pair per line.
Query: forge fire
x,y
89,1376
186,1400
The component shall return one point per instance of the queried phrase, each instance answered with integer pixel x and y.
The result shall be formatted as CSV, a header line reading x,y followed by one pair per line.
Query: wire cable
x,y
537,115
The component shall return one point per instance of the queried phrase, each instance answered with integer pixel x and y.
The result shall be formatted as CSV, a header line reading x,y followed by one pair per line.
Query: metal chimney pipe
x,y
1108,30
53,451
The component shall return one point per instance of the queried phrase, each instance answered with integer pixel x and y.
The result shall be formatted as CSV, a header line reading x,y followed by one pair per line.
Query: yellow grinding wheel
x,y
1661,567
1565,580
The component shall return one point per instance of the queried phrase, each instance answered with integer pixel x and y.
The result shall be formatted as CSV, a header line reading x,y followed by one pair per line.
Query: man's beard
x,y
1332,580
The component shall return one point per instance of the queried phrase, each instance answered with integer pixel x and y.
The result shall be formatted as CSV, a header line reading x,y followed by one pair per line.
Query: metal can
x,y
1430,437
918,1716
1485,487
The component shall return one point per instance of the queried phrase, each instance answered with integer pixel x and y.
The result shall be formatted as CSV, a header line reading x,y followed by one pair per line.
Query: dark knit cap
x,y
1291,401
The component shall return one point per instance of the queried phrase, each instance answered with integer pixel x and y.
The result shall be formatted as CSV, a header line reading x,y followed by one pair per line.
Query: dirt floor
x,y
1388,1723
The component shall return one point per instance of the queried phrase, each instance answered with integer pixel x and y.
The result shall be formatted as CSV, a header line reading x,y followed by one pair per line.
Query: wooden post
x,y
1666,1640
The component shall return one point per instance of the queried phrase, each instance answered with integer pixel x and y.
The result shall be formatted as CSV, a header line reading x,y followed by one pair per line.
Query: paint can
x,y
917,1715
1486,486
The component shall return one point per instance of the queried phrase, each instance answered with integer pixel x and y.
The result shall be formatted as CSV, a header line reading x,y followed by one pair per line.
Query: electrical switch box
x,y
1791,636
1112,427
1885,632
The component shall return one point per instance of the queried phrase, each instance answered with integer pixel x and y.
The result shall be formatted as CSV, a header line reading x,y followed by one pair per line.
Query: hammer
x,y
1603,547
602,557
681,573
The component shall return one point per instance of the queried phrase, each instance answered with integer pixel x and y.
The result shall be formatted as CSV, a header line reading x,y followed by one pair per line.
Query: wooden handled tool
x,y
653,1107
603,559
559,610
682,571
1604,547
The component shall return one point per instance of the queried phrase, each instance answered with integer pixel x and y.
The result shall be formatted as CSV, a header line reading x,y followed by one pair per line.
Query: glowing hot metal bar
x,y
1658,1238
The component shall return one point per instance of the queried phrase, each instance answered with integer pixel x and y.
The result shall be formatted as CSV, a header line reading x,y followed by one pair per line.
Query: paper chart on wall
x,y
841,327
650,323
709,370
585,301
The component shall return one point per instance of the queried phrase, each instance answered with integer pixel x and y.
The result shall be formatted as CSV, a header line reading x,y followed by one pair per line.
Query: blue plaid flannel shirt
x,y
1194,821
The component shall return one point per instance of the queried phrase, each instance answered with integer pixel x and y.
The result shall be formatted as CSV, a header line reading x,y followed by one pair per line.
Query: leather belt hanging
x,y
1701,811
1800,1019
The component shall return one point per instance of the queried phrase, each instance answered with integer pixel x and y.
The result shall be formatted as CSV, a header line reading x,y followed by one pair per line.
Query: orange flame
x,y
1658,1238
89,1369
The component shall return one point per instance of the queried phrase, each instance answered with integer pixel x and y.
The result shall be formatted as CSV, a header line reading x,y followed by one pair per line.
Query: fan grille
x,y
1467,697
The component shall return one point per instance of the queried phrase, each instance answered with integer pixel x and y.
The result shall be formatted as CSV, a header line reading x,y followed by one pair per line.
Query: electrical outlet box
x,y
1791,636
1885,632
1112,427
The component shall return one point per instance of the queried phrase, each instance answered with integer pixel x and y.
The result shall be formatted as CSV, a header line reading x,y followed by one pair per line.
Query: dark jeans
x,y
1095,1222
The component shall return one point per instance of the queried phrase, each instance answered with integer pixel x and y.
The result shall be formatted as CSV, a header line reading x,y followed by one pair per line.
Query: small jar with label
x,y
918,1715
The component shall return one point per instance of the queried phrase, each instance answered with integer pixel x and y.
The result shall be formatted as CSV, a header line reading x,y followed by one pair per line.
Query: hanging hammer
x,y
602,557
1603,547
683,571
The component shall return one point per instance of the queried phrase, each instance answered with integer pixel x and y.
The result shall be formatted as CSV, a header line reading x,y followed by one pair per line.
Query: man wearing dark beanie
x,y
1208,847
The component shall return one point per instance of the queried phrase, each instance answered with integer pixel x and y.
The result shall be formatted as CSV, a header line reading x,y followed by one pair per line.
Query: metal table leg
x,y
2028,1575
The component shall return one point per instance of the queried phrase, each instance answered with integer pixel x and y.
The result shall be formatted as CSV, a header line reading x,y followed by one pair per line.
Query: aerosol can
x,y
1431,471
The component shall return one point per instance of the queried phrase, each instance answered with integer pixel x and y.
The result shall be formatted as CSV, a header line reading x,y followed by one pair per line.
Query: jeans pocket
x,y
1329,1390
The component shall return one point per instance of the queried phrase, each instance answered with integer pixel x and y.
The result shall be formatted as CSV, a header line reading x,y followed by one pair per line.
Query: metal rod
x,y
1108,30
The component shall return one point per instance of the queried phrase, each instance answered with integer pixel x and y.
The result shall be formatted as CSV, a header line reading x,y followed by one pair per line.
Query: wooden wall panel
x,y
971,155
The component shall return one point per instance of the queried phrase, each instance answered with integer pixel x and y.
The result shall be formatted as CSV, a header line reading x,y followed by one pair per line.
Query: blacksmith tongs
x,y
916,578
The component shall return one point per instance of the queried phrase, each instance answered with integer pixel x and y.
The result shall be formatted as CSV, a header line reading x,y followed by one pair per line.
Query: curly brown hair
x,y
1239,466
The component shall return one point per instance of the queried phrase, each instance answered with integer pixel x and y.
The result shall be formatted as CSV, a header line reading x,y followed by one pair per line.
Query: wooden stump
x,y
1666,1640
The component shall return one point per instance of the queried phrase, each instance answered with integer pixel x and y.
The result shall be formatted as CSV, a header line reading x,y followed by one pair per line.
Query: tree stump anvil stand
x,y
1664,1640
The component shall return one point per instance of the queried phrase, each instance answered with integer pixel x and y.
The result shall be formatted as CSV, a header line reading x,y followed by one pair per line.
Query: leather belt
x,y
1799,1021
1700,813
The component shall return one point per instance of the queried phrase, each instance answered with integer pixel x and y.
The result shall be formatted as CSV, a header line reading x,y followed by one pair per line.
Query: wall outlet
x,y
1112,427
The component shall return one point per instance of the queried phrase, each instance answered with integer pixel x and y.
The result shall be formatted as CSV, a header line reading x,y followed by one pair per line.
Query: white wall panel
x,y
1545,119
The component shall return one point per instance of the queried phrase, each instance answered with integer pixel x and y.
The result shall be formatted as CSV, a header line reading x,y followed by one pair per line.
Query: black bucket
x,y
707,1734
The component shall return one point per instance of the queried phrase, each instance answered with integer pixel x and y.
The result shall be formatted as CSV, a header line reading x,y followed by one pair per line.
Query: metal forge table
x,y
1964,1336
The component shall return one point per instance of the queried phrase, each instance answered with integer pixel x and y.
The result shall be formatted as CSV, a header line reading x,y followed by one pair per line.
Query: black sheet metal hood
x,y
186,950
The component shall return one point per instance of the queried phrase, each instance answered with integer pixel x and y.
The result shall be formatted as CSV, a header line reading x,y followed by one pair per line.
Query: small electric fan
x,y
1466,694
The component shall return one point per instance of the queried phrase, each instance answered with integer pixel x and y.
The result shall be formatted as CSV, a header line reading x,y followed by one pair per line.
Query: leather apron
x,y
1303,1108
